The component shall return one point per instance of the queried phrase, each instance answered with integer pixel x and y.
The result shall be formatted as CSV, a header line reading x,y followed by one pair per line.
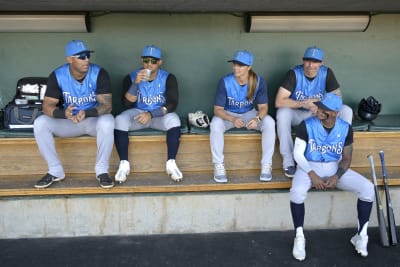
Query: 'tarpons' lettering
x,y
79,100
152,100
301,96
335,148
238,104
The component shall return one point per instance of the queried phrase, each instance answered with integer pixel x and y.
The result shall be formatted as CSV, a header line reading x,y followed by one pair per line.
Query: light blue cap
x,y
75,47
243,56
151,51
314,53
330,102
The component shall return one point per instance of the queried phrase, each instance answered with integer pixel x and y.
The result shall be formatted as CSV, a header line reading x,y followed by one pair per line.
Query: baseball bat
x,y
379,210
389,208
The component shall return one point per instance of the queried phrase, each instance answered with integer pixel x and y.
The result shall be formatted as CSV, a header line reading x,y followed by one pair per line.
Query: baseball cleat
x,y
360,243
105,180
123,171
220,173
289,171
47,180
266,174
299,248
173,170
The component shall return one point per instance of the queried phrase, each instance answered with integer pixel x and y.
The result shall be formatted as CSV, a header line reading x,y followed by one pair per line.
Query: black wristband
x,y
91,112
59,113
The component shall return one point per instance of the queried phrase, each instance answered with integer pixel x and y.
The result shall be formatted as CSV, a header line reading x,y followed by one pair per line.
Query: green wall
x,y
197,46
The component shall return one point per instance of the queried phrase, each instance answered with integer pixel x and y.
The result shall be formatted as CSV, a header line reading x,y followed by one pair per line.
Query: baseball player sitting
x,y
155,93
77,102
302,86
238,94
323,152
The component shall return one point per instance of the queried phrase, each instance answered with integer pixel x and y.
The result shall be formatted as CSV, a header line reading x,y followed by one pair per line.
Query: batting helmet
x,y
368,109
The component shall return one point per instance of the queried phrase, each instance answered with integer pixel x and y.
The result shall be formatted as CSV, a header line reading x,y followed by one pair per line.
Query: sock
x,y
298,212
299,231
173,136
121,140
364,211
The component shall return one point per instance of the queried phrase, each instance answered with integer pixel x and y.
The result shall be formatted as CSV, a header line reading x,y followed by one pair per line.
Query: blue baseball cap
x,y
151,51
330,102
75,47
313,53
243,56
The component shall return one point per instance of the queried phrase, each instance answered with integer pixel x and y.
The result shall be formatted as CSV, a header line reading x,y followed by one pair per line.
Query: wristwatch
x,y
258,118
164,110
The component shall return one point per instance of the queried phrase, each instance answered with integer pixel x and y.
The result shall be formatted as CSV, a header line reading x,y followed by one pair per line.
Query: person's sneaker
x,y
173,170
105,180
289,171
299,248
266,174
360,243
47,180
123,171
220,173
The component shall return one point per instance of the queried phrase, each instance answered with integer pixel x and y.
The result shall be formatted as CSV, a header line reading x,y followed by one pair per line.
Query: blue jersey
x,y
235,95
81,94
323,146
151,95
306,88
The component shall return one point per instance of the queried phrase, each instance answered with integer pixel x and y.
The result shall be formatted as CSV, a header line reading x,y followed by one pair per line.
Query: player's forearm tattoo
x,y
344,164
105,104
340,172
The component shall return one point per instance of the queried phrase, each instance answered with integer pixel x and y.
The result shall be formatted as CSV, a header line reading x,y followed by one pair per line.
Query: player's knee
x,y
284,118
106,123
40,122
282,113
172,121
268,123
217,125
297,195
121,123
346,114
368,193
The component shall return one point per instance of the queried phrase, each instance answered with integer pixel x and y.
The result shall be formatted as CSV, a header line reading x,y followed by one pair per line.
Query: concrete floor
x,y
249,249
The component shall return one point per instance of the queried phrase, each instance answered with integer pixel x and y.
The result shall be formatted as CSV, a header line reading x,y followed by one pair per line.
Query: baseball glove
x,y
199,119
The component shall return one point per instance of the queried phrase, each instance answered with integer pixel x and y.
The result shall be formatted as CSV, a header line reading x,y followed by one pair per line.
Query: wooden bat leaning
x,y
379,210
389,208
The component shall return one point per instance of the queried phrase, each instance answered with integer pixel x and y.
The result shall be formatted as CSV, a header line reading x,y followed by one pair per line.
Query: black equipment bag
x,y
21,117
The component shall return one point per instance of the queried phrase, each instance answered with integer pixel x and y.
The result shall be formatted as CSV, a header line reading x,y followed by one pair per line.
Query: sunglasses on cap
x,y
82,56
152,60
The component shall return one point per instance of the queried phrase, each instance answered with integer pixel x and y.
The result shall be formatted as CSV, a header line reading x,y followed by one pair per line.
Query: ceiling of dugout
x,y
218,6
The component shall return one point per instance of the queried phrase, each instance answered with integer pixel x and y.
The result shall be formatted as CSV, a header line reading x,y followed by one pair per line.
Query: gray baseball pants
x,y
350,181
219,126
45,128
126,122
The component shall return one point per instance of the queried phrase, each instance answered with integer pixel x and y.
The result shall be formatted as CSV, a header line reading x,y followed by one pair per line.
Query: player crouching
x,y
323,152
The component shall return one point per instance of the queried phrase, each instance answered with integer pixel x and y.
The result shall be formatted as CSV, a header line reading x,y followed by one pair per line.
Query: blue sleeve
x,y
262,93
220,97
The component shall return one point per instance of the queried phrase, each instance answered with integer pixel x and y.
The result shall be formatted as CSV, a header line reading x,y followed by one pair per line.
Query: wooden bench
x,y
21,165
